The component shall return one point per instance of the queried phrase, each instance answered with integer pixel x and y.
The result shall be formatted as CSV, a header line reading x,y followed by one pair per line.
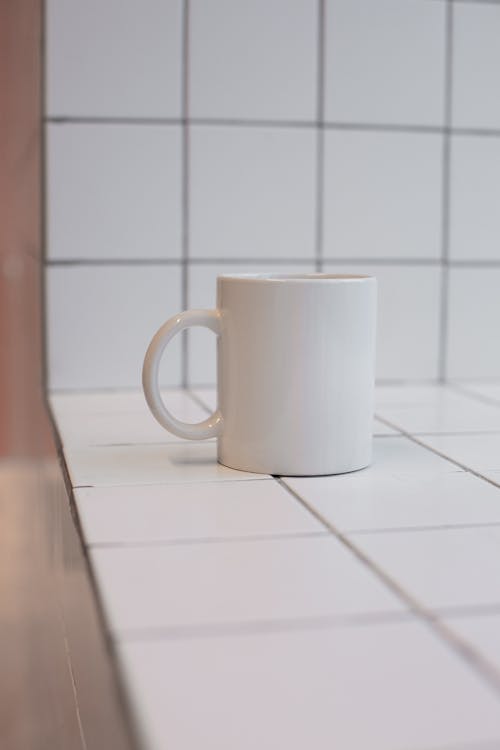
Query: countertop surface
x,y
357,612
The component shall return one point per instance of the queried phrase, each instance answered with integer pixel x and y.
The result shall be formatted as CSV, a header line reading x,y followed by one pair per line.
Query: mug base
x,y
290,473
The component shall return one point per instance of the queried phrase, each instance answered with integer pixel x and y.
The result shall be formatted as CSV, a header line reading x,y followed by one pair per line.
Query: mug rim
x,y
295,277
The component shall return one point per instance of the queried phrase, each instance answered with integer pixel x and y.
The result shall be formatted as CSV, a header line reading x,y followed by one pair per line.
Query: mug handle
x,y
210,427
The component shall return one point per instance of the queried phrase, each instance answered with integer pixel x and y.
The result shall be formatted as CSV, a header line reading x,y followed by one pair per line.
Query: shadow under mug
x,y
295,362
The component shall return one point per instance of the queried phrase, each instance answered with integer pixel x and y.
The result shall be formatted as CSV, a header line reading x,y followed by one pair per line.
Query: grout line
x,y
56,262
260,627
384,127
470,610
185,210
462,648
492,263
460,465
464,391
253,122
239,261
186,542
320,138
178,483
446,197
110,120
238,122
384,261
147,443
198,400
476,745
437,527
163,483
453,433
378,436
477,2
62,120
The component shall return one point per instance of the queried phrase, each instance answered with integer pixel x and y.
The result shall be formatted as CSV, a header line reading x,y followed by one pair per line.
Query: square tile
x,y
374,687
475,185
113,59
454,412
408,319
253,193
112,402
382,195
202,292
411,394
234,582
253,60
113,191
132,425
100,321
401,458
481,632
374,501
379,428
478,452
476,65
197,511
188,461
375,69
440,568
473,323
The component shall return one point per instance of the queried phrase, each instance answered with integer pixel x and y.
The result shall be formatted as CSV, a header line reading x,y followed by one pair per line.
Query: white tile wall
x,y
246,185
474,202
476,65
474,323
376,71
382,195
117,58
408,319
303,133
253,60
100,321
114,191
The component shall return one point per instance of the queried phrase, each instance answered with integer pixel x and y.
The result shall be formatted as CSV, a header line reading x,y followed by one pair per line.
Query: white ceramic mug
x,y
295,372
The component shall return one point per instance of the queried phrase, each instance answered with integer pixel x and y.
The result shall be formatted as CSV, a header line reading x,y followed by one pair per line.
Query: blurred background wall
x,y
187,139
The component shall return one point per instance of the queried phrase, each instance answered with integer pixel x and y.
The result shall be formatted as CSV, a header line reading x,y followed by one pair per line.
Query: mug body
x,y
296,372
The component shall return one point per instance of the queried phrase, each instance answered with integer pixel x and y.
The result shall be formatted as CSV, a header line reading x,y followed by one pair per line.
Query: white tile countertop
x,y
358,612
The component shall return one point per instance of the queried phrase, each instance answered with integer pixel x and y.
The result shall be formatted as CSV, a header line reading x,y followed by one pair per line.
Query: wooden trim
x,y
23,430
